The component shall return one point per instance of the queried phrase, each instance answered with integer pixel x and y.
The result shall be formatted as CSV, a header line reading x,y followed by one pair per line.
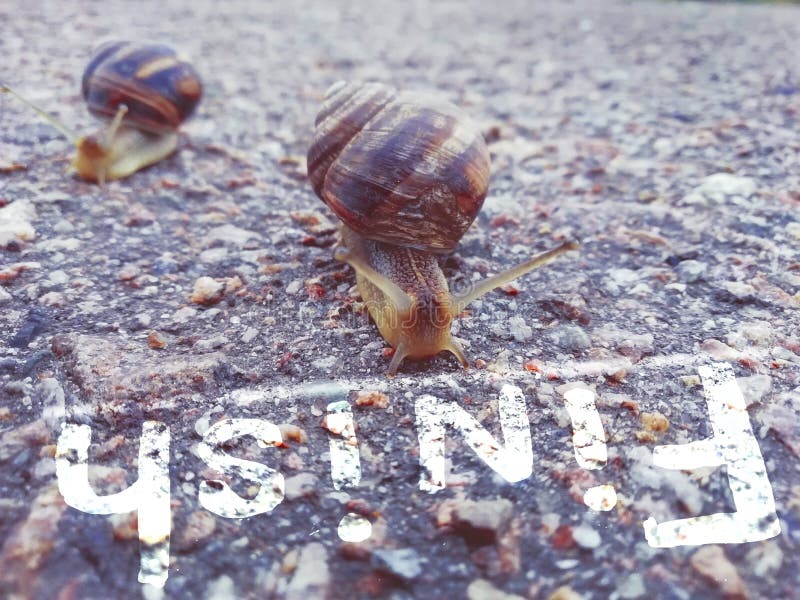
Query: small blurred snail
x,y
143,92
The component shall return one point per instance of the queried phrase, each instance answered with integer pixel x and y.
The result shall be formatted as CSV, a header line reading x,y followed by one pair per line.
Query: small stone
x,y
718,186
52,299
325,364
294,287
691,271
632,587
754,388
57,278
27,546
480,521
372,398
230,235
519,330
404,563
199,527
156,340
312,575
141,321
63,226
621,279
208,344
719,350
222,588
654,421
570,337
292,433
125,526
139,215
15,222
249,335
565,593
632,345
184,314
758,334
207,291
738,289
586,537
128,272
711,563
300,486
766,557
10,273
164,265
4,296
501,364
483,589
233,284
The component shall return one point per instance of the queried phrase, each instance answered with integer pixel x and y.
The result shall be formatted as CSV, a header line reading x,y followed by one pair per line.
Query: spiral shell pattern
x,y
159,89
397,167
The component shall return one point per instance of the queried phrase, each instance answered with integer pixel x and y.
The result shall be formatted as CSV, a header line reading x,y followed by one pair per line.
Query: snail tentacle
x,y
62,129
144,92
400,353
398,297
455,348
460,301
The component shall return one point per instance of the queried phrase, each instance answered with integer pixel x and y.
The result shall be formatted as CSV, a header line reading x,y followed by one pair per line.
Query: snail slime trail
x,y
406,175
144,92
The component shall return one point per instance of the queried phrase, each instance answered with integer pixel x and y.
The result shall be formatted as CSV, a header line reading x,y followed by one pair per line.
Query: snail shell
x,y
159,89
397,167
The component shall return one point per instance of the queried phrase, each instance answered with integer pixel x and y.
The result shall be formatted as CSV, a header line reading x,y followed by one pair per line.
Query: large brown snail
x,y
407,176
144,92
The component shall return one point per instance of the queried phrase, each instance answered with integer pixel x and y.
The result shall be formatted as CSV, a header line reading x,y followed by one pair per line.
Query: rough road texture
x,y
663,136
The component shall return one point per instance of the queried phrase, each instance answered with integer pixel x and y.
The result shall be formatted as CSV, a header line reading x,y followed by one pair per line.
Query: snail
x,y
406,175
144,92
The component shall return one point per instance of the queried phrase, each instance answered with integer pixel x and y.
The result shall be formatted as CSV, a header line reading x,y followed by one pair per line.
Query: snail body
x,y
144,92
406,177
406,295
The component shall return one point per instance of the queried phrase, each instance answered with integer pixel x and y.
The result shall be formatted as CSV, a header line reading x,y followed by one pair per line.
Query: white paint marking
x,y
589,442
345,461
513,462
588,437
733,445
346,466
217,496
149,495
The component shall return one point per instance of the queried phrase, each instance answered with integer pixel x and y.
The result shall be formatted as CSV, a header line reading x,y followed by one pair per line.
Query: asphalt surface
x,y
661,135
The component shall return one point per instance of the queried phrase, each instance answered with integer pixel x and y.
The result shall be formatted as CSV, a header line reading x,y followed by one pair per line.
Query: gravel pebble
x,y
632,587
586,537
570,337
711,563
691,271
519,330
15,222
404,563
483,589
311,578
721,185
207,291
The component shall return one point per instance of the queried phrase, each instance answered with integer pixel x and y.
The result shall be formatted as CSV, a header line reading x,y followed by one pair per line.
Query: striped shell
x,y
398,168
159,89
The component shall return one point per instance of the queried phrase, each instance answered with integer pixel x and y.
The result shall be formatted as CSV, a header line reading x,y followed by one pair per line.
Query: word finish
x,y
732,445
